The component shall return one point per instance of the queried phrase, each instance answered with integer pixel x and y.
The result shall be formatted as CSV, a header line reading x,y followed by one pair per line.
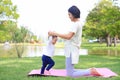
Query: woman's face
x,y
71,16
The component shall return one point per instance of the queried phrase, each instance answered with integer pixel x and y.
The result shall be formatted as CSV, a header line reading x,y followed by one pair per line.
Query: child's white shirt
x,y
49,49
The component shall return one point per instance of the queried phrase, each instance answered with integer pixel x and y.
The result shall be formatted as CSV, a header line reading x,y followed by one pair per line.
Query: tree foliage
x,y
20,35
8,26
103,21
8,16
7,10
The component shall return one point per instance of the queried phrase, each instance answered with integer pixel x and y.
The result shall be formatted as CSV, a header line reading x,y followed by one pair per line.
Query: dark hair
x,y
54,37
74,11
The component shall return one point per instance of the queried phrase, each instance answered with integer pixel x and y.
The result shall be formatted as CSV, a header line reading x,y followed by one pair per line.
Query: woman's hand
x,y
52,33
67,36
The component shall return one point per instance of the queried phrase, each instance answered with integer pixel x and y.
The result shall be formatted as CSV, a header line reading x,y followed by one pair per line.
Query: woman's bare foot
x,y
94,72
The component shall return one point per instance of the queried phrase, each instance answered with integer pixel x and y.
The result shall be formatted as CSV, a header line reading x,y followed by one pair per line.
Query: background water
x,y
36,51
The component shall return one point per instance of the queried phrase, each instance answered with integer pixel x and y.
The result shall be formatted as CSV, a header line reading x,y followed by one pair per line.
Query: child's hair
x,y
52,37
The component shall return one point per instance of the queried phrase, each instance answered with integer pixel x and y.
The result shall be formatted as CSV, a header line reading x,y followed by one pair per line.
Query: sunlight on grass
x,y
7,62
25,61
108,57
92,64
15,61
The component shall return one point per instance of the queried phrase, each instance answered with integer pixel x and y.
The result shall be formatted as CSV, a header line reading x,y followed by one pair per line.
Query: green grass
x,y
99,46
17,69
13,68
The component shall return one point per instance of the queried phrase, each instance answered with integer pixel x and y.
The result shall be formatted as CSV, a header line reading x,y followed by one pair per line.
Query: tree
x,y
8,26
103,21
20,36
8,12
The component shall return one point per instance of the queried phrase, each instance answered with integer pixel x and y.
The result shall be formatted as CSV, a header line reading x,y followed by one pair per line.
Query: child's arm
x,y
49,39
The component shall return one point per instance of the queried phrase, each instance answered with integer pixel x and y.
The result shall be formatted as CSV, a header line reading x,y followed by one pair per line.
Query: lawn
x,y
17,69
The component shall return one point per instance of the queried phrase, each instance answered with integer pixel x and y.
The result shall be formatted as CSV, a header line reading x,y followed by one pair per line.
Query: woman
x,y
73,41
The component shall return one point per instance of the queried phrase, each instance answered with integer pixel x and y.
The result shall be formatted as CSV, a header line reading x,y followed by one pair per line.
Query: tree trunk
x,y
111,40
115,41
108,40
19,49
100,40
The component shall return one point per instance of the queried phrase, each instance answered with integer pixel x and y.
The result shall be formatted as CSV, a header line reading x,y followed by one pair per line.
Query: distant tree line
x,y
9,31
103,22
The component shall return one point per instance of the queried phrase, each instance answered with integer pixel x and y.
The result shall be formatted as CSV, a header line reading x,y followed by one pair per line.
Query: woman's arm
x,y
64,36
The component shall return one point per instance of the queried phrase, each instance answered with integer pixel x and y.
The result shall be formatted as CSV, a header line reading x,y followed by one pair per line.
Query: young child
x,y
47,61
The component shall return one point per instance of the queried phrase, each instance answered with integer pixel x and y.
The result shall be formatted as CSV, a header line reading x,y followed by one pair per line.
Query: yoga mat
x,y
54,72
105,72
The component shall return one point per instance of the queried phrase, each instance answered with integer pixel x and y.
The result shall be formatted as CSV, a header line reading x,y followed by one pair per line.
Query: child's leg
x,y
51,63
44,64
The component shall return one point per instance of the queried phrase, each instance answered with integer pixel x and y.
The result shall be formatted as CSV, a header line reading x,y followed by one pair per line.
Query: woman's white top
x,y
49,49
72,45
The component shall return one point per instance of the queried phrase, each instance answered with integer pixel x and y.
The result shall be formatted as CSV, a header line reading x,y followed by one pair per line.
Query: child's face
x,y
54,40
